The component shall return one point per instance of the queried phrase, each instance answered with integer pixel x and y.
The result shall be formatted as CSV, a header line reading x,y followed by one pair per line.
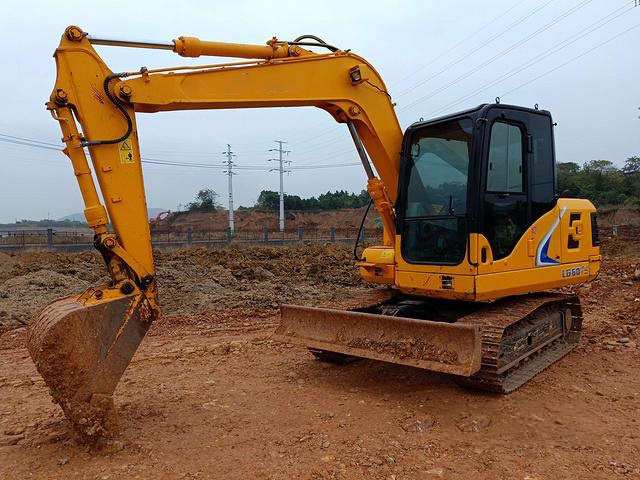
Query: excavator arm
x,y
82,344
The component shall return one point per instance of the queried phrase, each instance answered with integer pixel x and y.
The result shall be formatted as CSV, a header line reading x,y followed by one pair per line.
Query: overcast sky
x,y
436,57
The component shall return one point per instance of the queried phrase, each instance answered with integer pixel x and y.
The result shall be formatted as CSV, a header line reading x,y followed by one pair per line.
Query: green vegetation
x,y
206,201
269,200
601,182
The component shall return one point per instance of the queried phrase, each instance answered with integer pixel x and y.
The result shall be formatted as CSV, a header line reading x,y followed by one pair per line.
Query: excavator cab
x,y
489,171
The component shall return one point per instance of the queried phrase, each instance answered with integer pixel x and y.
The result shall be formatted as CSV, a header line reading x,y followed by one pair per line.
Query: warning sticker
x,y
126,152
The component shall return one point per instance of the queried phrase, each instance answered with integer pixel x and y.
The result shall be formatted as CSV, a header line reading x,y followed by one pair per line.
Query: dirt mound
x,y
23,295
258,219
190,281
7,264
198,280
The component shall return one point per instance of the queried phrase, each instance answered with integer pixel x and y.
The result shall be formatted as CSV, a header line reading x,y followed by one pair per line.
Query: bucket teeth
x,y
81,349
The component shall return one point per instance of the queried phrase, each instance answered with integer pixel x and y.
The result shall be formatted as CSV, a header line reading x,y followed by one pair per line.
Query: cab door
x,y
505,207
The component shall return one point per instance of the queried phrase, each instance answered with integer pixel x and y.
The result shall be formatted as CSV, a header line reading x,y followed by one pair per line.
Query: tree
x,y
269,200
601,182
600,166
568,174
206,201
631,165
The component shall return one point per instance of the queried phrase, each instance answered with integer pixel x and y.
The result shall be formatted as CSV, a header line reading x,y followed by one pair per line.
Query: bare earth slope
x,y
209,395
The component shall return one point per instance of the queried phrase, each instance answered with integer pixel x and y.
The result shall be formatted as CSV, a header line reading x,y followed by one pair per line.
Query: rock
x,y
636,274
630,345
325,445
468,423
624,340
14,431
63,461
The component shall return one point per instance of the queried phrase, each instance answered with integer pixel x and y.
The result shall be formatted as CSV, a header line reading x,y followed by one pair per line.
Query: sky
x,y
577,58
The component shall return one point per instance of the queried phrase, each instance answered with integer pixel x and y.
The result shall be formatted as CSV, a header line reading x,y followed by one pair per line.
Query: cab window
x,y
504,173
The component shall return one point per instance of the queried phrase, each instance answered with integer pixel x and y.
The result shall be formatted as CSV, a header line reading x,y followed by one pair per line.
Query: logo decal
x,y
542,256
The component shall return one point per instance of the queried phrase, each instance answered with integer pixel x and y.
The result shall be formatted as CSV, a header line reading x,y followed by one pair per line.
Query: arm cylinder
x,y
194,47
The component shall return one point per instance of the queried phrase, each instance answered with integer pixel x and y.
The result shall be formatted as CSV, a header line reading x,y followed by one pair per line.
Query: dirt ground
x,y
210,395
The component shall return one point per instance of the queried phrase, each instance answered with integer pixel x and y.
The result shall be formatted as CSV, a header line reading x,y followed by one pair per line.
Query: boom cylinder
x,y
194,47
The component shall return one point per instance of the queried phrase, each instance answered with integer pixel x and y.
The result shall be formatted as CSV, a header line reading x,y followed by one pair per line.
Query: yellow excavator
x,y
474,233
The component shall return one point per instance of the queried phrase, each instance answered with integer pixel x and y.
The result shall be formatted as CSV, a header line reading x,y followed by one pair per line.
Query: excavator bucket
x,y
81,348
442,347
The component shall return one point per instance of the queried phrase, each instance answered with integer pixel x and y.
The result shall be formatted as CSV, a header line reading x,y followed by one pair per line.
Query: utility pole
x,y
282,171
230,173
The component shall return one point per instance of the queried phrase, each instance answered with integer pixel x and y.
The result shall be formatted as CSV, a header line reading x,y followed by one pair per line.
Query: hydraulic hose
x,y
120,106
318,42
364,217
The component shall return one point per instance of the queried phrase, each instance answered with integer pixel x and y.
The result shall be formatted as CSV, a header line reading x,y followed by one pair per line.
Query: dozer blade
x,y
81,350
443,347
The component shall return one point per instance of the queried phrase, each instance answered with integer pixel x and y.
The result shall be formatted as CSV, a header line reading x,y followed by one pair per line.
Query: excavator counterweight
x,y
473,231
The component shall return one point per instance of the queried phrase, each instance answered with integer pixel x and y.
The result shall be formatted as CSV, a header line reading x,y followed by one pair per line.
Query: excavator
x,y
476,243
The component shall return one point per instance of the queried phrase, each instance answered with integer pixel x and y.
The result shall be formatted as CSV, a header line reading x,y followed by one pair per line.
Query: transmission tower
x,y
230,173
282,171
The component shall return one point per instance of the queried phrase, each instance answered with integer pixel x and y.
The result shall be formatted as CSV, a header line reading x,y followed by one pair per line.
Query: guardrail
x,y
50,239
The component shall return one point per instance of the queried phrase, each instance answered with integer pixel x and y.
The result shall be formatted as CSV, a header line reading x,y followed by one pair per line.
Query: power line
x,y
487,42
482,45
18,142
461,42
465,75
536,59
161,162
572,59
29,140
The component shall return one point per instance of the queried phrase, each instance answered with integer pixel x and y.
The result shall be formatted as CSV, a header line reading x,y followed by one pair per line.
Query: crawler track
x,y
522,336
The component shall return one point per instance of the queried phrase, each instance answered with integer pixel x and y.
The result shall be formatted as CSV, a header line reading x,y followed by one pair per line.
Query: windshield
x,y
439,169
436,200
